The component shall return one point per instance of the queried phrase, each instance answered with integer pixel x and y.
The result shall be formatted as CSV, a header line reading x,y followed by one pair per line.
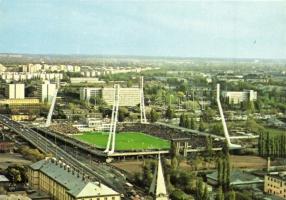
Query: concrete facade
x,y
275,184
47,91
236,97
15,91
63,183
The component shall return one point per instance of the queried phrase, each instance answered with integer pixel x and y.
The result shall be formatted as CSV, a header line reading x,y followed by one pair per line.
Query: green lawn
x,y
125,140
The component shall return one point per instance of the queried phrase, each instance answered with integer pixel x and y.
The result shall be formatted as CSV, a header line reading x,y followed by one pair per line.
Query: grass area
x,y
125,140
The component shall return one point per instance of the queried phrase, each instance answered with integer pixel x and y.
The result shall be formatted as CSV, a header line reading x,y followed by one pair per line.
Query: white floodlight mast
x,y
142,102
225,130
52,107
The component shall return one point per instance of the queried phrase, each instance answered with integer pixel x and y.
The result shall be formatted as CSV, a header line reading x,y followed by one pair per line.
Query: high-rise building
x,y
127,96
47,91
15,91
87,93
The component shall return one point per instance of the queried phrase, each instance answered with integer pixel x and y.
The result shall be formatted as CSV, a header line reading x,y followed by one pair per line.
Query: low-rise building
x,y
76,80
236,97
64,183
13,102
238,178
21,117
275,184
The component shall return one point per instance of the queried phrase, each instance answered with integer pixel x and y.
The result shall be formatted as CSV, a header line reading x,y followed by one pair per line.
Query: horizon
x,y
195,29
135,56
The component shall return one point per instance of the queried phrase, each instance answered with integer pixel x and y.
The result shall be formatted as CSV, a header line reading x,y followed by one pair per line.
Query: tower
x,y
110,147
158,186
142,103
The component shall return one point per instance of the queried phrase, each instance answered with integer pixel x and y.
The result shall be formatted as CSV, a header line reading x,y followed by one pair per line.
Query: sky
x,y
226,29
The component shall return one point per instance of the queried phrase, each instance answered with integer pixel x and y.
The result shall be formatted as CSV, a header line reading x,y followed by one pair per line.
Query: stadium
x,y
125,141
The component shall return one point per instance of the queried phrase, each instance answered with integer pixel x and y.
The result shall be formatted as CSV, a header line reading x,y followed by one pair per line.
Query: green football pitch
x,y
125,140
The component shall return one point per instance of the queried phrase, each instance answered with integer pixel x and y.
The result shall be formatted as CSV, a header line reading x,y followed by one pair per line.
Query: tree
x,y
201,127
199,190
170,113
180,95
205,194
219,195
216,129
231,195
193,124
174,163
178,195
153,116
250,106
122,113
182,120
129,83
187,122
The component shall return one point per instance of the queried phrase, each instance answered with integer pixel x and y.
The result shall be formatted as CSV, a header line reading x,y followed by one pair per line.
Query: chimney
x,y
268,164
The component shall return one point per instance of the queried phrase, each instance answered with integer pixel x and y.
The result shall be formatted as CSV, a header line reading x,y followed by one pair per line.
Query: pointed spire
x,y
158,186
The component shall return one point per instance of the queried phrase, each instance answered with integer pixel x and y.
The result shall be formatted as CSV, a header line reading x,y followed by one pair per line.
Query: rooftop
x,y
77,184
238,177
3,178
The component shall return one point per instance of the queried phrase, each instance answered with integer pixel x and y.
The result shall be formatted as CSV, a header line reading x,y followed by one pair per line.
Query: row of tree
x,y
186,122
272,146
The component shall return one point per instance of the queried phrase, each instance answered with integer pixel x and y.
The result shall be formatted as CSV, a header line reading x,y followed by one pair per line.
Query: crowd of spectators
x,y
196,141
64,128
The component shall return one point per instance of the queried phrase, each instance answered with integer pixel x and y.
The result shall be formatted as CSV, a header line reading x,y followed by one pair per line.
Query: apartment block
x,y
127,96
87,93
15,91
236,97
47,91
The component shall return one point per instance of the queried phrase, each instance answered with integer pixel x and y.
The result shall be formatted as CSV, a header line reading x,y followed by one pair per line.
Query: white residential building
x,y
47,91
15,91
87,93
127,96
236,97
2,68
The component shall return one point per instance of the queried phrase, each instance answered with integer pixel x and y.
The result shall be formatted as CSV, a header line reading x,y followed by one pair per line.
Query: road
x,y
101,172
